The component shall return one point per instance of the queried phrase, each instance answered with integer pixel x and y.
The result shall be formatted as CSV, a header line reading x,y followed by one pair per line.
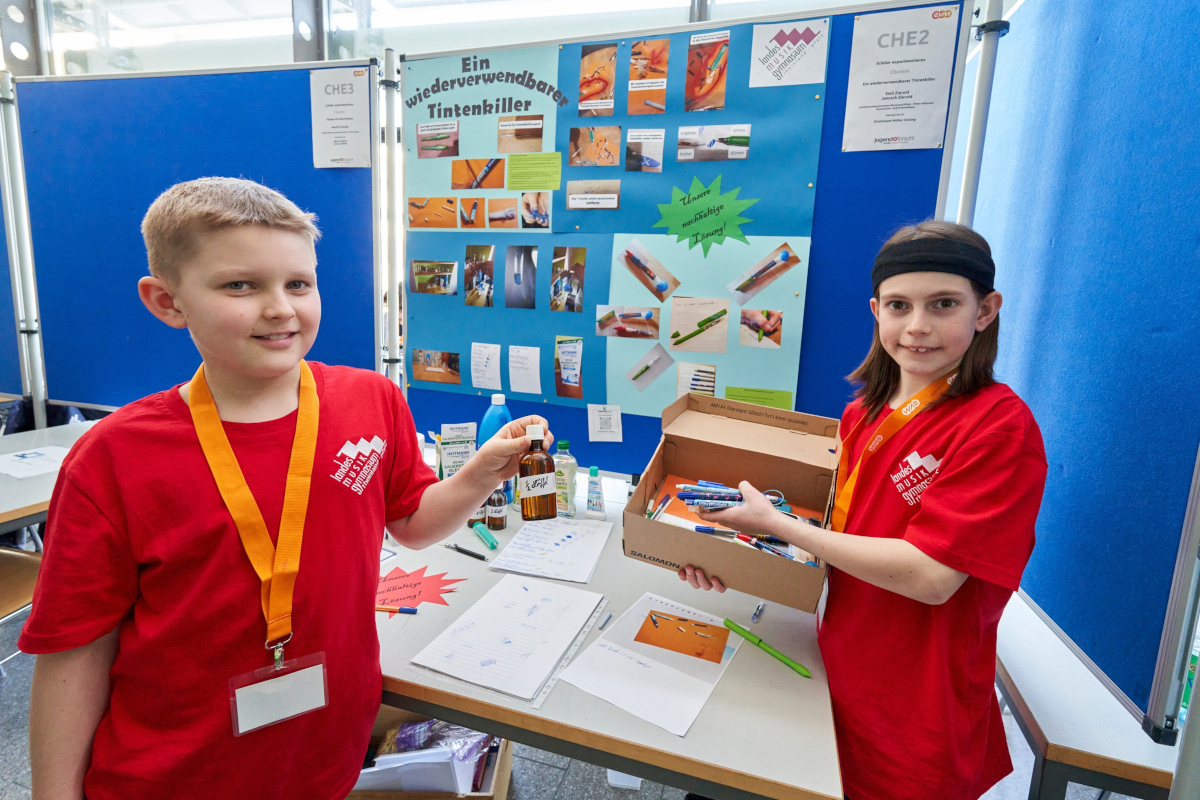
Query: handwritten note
x,y
400,588
485,366
563,549
512,639
524,369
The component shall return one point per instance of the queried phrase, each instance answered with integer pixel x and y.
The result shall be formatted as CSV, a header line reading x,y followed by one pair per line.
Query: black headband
x,y
934,255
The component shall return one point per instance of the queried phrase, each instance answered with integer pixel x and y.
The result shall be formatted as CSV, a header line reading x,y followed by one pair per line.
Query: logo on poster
x,y
945,13
785,50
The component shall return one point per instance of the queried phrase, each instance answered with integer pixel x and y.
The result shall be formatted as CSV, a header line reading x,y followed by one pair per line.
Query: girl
x,y
940,477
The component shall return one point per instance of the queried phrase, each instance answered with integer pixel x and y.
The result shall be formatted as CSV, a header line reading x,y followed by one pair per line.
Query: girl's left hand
x,y
755,515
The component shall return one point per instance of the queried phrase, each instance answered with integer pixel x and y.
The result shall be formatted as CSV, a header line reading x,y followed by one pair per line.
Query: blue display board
x,y
10,361
99,151
857,201
1092,221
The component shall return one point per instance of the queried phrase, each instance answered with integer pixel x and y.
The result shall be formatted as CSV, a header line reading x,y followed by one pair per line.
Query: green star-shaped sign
x,y
704,216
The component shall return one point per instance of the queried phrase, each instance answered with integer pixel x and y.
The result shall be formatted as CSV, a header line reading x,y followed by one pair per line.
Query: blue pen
x,y
711,529
661,507
712,484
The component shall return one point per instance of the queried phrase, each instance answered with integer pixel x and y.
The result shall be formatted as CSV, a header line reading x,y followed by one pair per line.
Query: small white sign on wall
x,y
341,117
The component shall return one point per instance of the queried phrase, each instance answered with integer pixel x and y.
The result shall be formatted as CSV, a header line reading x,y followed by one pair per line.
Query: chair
x,y
18,575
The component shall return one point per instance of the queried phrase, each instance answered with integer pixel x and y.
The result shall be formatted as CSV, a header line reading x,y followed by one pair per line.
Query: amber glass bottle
x,y
479,515
497,510
535,478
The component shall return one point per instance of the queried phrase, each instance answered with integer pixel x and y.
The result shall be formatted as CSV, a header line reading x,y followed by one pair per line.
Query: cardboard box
x,y
390,717
728,441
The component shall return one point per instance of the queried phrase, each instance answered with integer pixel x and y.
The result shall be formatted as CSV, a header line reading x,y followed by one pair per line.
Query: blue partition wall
x,y
861,199
10,362
1088,196
103,149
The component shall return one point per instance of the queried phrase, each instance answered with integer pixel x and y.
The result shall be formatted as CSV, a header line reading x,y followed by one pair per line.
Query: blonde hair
x,y
175,222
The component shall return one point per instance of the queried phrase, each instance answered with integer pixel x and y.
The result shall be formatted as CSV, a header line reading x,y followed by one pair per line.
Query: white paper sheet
x,y
898,90
513,637
604,423
28,463
563,549
485,366
341,117
661,686
524,369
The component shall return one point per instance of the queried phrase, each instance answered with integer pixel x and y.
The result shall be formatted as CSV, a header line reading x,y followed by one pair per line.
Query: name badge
x,y
272,695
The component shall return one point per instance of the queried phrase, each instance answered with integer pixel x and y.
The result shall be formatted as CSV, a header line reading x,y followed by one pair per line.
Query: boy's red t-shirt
x,y
140,539
912,684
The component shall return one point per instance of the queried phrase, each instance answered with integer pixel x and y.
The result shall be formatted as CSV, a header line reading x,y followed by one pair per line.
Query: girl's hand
x,y
498,457
699,580
755,515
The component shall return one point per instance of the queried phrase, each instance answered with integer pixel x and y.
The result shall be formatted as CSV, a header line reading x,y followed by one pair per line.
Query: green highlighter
x,y
754,640
485,535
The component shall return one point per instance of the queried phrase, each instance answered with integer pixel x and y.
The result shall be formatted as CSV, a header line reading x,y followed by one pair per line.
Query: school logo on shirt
x,y
356,463
915,474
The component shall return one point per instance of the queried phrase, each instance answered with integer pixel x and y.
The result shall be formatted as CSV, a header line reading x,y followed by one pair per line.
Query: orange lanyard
x,y
276,566
895,421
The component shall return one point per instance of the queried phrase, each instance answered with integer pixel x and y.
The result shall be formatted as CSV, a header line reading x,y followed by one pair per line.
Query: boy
x,y
173,551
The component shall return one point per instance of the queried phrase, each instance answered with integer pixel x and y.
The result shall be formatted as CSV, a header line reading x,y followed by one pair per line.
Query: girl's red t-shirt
x,y
913,684
139,539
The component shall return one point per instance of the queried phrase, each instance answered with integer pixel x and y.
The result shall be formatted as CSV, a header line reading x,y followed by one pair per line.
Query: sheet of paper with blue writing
x,y
562,549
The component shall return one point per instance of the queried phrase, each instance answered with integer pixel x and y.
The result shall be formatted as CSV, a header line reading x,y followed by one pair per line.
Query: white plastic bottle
x,y
595,495
565,469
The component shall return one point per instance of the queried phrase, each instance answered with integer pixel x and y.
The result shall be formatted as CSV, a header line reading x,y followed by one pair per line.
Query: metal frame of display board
x,y
379,250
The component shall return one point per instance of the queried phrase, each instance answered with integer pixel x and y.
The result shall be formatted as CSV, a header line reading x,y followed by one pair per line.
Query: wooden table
x,y
765,731
23,501
1077,729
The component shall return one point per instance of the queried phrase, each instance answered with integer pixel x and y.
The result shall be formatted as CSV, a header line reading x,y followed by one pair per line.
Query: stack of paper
x,y
513,637
563,549
28,463
660,661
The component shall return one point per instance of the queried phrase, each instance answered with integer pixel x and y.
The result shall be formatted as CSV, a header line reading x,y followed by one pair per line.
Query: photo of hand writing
x,y
761,329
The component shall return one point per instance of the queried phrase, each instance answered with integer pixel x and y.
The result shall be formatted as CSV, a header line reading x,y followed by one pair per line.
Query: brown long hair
x,y
878,375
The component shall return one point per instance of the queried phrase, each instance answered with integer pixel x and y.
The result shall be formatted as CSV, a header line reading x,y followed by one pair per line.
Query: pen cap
x,y
497,399
535,432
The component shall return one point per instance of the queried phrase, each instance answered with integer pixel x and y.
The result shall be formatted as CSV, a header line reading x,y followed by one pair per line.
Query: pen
x,y
485,535
711,529
642,371
696,332
757,642
661,506
397,609
735,141
606,619
757,612
465,551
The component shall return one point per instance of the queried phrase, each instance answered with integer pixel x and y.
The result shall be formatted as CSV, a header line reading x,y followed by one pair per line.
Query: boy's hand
x,y
499,455
755,515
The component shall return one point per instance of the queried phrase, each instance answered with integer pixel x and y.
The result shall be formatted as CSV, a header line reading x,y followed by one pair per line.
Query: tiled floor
x,y
537,774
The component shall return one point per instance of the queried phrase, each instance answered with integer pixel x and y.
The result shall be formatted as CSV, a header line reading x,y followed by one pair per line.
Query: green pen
x,y
735,141
435,138
760,332
754,640
485,535
715,316
697,332
435,147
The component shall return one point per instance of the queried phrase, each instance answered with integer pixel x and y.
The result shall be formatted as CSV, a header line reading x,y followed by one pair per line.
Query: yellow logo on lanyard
x,y
276,566
895,421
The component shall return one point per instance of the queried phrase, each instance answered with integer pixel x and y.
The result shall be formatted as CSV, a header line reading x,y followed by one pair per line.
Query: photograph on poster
x,y
597,79
595,146
432,212
502,212
745,286
583,195
648,270
477,275
644,149
627,322
477,173
648,76
761,328
519,134
568,366
713,143
470,212
683,635
699,324
433,277
435,366
535,210
566,278
708,57
437,139
646,369
520,276
696,379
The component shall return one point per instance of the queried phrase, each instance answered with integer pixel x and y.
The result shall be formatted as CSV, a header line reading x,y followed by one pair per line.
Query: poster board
x,y
833,227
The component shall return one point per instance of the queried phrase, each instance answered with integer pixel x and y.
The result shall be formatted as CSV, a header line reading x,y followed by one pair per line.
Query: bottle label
x,y
536,485
560,486
481,513
497,511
